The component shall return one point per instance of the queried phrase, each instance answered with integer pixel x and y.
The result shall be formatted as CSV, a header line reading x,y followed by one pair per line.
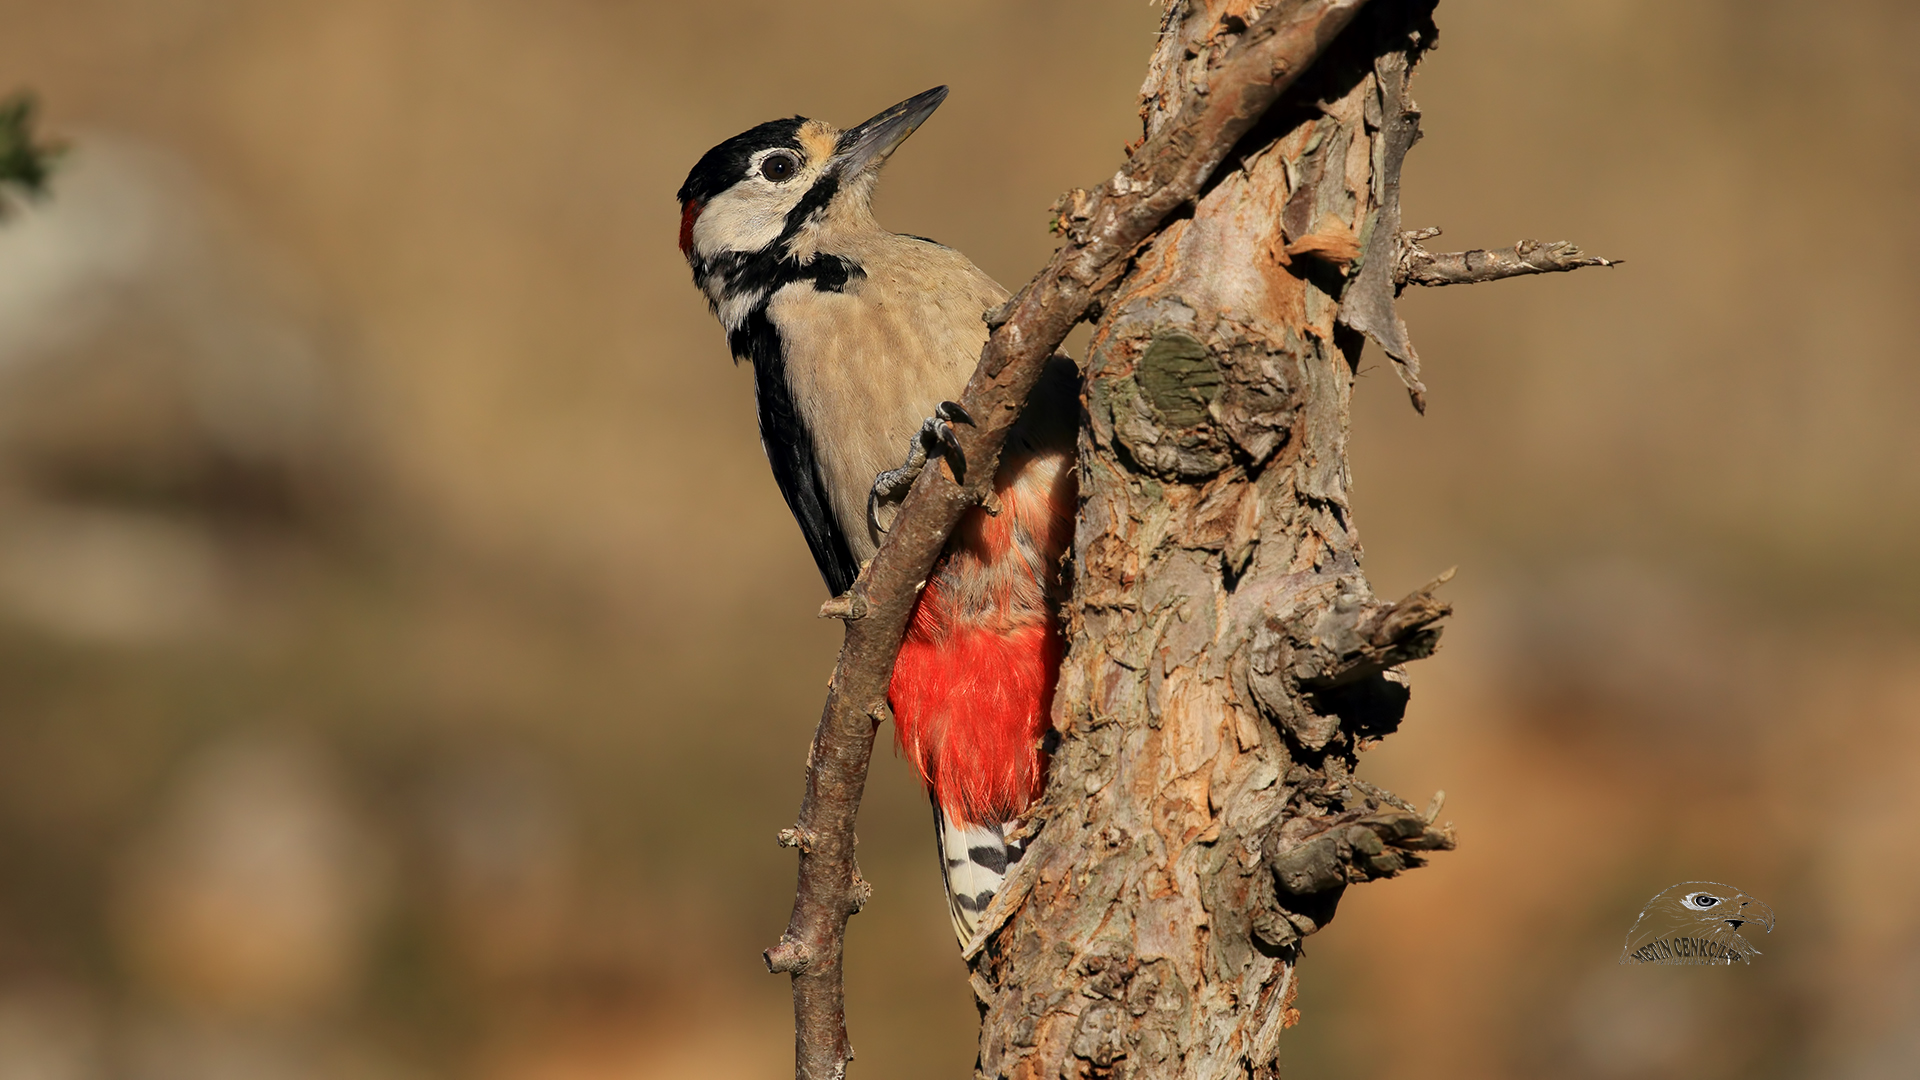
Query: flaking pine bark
x,y
1227,659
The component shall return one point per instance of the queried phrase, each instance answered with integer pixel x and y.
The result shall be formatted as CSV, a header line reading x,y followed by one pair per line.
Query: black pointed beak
x,y
866,146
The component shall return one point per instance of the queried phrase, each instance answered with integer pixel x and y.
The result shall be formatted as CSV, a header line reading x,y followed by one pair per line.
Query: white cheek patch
x,y
745,218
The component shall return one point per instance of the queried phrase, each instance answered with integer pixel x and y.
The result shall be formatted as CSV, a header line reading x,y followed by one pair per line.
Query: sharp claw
x,y
934,437
950,449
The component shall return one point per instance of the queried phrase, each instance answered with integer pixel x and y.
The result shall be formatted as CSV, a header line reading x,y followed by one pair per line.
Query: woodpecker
x,y
859,339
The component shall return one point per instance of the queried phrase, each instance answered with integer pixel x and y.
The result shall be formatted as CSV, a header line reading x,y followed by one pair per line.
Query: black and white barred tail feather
x,y
974,861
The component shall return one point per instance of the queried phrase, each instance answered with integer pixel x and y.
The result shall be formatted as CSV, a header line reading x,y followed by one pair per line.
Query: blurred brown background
x,y
406,661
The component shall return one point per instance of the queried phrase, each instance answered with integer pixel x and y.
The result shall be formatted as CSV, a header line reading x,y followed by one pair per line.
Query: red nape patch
x,y
970,704
688,215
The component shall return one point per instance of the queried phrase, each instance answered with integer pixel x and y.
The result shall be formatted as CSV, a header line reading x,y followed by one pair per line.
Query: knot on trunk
x,y
788,956
1334,661
1190,407
859,891
1313,860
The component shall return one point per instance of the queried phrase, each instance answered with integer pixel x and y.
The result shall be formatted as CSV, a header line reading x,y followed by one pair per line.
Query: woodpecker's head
x,y
770,191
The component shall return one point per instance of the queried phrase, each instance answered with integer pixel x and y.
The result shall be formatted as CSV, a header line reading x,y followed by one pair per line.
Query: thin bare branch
x,y
1246,73
1418,266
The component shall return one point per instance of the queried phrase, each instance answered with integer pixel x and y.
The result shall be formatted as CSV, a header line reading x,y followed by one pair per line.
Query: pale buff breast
x,y
867,366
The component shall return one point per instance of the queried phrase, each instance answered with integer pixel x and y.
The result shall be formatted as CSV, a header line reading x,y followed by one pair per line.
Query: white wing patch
x,y
974,860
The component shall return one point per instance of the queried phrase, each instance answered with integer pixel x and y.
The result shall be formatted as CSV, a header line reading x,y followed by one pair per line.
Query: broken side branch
x,y
1418,266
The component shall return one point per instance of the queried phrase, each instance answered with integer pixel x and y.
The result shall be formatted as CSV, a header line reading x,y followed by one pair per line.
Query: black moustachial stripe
x,y
742,273
766,271
812,203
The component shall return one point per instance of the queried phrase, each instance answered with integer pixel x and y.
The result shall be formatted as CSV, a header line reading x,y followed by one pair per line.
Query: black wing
x,y
790,451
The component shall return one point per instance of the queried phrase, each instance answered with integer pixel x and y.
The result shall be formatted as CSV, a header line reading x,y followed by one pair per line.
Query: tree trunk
x,y
1227,659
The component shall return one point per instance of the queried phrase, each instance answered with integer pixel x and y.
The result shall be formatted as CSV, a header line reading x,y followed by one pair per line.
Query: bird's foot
x,y
935,438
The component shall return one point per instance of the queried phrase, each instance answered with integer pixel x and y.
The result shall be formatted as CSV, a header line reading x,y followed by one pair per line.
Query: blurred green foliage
x,y
25,163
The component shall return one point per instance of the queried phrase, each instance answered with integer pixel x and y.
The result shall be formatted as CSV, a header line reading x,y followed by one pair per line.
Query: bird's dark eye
x,y
778,167
1703,900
